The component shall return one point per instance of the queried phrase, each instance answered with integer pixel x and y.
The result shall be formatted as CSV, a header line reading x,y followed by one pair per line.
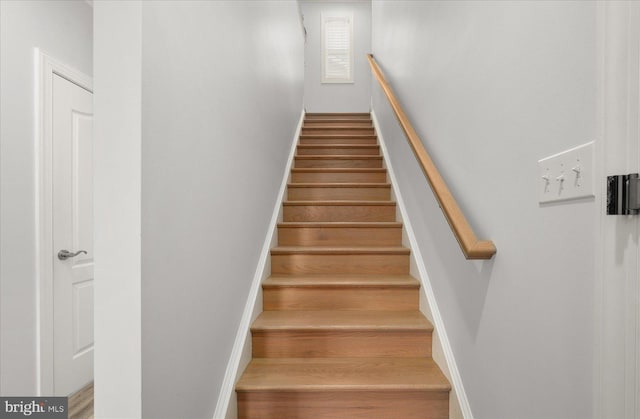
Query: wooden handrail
x,y
469,243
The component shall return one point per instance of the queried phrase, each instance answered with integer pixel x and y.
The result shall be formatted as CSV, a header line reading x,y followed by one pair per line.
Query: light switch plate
x,y
566,175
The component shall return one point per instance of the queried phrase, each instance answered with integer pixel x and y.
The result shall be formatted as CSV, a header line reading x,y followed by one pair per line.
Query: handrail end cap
x,y
481,250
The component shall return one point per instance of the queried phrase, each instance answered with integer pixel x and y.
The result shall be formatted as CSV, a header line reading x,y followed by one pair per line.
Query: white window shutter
x,y
337,48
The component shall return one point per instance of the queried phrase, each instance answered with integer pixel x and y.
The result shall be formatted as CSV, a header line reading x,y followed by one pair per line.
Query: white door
x,y
72,232
617,294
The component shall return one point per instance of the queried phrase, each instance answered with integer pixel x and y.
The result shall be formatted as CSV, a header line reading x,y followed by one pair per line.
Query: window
x,y
337,48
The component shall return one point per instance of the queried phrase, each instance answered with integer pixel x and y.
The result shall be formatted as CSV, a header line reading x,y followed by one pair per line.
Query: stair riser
x,y
338,140
344,298
344,404
338,123
340,264
338,344
339,236
345,151
337,194
338,177
339,131
343,213
322,117
339,163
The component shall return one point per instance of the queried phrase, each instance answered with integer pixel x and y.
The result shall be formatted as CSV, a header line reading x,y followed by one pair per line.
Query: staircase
x,y
341,334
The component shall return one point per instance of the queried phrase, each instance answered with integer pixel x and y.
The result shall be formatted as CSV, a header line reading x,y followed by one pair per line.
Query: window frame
x,y
324,52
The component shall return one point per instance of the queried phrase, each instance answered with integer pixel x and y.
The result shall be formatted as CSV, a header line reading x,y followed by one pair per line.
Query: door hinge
x,y
623,194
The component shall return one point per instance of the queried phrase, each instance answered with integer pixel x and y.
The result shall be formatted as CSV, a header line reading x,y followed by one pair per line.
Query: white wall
x,y
492,87
63,30
222,86
337,97
117,208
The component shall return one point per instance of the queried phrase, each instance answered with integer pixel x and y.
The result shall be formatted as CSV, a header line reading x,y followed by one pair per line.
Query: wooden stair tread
x,y
339,202
339,185
338,170
341,147
338,160
319,146
341,116
342,136
338,121
344,280
337,126
338,157
339,175
321,114
342,374
322,191
334,250
340,224
340,320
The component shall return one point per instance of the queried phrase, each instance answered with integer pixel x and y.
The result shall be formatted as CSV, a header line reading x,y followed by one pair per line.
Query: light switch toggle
x,y
547,179
560,179
576,169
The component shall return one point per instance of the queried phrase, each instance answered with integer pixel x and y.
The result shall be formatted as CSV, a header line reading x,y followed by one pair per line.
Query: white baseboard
x,y
453,374
241,352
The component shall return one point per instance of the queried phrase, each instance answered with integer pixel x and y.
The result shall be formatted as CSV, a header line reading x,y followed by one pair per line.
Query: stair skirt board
x,y
442,352
226,406
312,244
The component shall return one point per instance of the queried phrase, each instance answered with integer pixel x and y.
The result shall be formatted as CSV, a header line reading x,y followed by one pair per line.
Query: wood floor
x,y
81,403
341,334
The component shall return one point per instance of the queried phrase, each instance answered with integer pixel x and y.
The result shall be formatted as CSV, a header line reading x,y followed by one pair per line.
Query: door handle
x,y
65,254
